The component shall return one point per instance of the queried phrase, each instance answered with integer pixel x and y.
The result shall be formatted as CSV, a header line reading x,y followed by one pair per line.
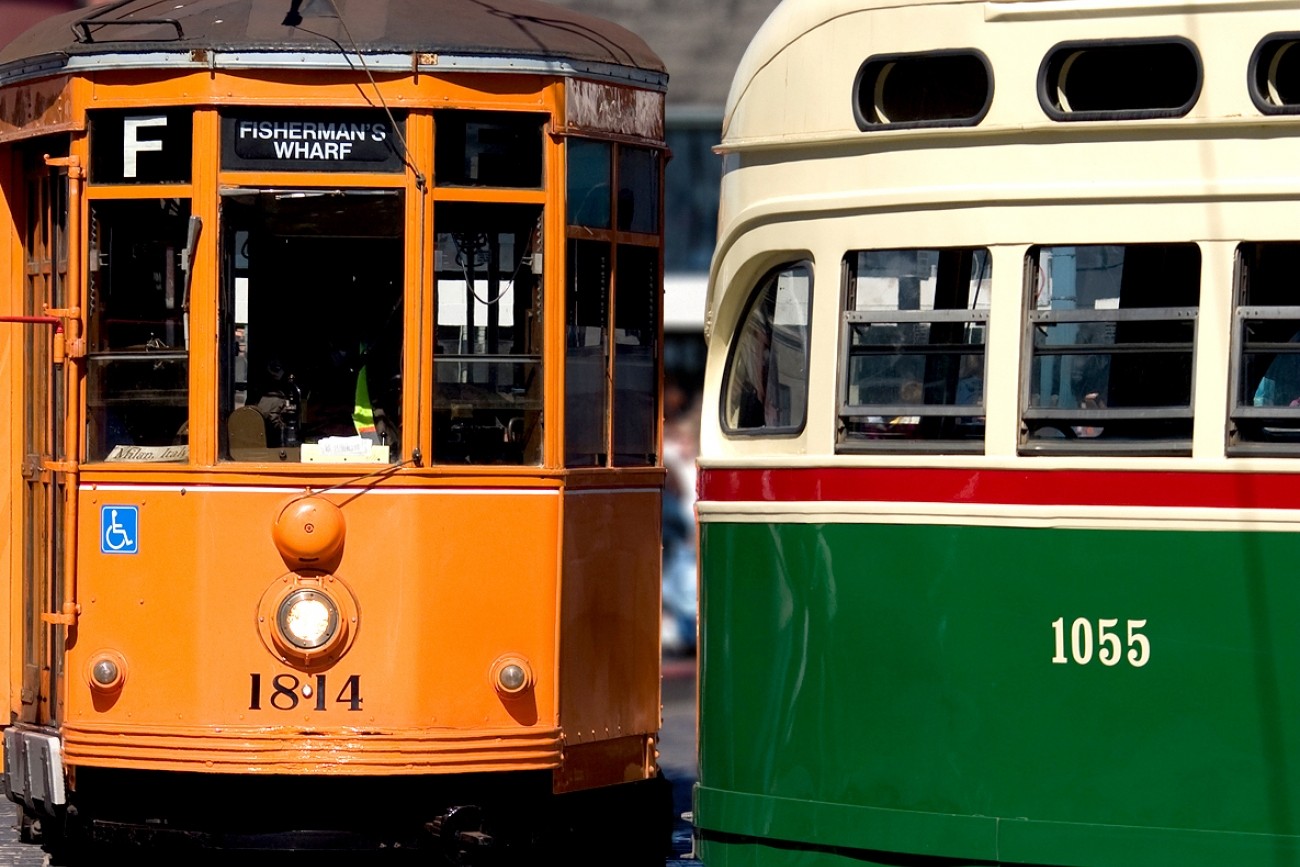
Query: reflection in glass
x,y
638,190
636,339
586,354
589,167
766,385
488,357
1112,337
916,322
137,386
311,325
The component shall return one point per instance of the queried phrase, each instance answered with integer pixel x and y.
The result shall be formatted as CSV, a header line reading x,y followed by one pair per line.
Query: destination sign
x,y
310,141
141,147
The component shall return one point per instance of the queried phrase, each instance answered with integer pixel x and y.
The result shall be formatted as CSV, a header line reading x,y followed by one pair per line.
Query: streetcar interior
x,y
138,330
1266,382
488,356
487,270
1109,355
915,326
311,330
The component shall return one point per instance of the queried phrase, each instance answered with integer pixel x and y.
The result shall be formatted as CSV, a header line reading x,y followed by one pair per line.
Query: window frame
x,y
1054,112
860,80
766,280
311,185
1257,96
112,195
1028,445
437,405
615,237
1238,408
943,315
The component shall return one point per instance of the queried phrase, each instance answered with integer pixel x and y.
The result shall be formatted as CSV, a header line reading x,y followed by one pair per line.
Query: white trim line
x,y
1038,517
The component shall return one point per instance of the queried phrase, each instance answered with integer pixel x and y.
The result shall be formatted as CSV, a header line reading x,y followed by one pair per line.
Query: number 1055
x,y
1111,645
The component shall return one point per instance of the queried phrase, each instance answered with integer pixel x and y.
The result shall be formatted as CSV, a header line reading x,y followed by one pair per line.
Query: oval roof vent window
x,y
938,88
1275,74
1120,79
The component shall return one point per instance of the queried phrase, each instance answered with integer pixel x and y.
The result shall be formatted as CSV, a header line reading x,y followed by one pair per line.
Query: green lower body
x,y
958,695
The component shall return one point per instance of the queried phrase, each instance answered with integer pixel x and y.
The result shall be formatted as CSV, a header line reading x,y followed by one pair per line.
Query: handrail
x,y
87,35
33,320
71,466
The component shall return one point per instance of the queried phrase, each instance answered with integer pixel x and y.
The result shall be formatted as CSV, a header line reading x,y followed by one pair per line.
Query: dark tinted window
x,y
1275,74
488,149
1266,351
1120,80
940,89
765,388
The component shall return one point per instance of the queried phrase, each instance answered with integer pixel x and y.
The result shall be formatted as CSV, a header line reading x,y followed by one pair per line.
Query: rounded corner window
x,y
1275,74
936,88
765,383
1120,79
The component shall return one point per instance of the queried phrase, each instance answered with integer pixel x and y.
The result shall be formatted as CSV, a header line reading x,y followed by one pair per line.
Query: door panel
x,y
44,412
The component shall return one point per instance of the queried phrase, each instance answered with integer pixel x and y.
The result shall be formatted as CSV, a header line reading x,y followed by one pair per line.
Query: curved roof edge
x,y
794,18
62,64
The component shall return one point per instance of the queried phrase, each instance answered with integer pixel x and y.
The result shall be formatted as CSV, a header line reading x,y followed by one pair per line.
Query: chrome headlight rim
x,y
341,629
294,604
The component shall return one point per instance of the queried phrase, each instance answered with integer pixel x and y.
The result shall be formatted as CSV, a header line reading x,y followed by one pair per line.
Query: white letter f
x,y
131,144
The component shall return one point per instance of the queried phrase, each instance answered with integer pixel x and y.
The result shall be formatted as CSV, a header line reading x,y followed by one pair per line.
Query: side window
x,y
488,360
612,291
765,388
913,349
1266,350
137,388
1109,348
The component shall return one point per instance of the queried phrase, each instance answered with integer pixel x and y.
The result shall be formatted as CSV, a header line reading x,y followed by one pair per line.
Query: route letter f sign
x,y
133,145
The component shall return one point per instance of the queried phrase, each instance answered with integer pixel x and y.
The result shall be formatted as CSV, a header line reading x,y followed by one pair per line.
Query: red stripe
x,y
1010,487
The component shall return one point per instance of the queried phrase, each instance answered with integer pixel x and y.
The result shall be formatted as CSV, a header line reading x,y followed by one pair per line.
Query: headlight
x,y
308,619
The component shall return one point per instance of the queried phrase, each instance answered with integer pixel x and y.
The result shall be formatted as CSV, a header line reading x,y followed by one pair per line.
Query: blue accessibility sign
x,y
119,529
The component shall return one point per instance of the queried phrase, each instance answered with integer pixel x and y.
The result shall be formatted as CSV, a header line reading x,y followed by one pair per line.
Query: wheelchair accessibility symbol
x,y
119,529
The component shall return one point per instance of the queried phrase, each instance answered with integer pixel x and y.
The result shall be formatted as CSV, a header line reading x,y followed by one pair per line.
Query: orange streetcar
x,y
332,344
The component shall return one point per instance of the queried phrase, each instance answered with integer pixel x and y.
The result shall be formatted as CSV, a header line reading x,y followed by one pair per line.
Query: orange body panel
x,y
446,581
609,613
